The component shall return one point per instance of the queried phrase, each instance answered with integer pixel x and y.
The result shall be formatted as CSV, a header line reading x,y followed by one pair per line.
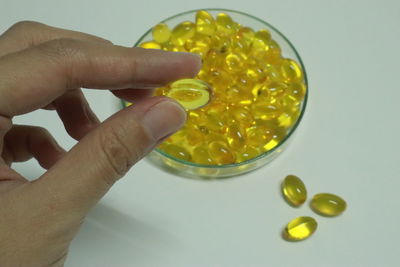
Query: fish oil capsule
x,y
297,90
150,45
190,93
205,23
176,151
236,137
225,24
242,116
248,153
161,33
300,228
200,155
328,204
258,136
261,110
261,39
233,62
294,191
183,32
221,153
291,71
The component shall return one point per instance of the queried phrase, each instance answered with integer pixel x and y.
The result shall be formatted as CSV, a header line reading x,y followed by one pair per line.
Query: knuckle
x,y
118,154
122,153
24,26
62,48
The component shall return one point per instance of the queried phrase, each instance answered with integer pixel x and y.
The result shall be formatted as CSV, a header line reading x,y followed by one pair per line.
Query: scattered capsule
x,y
183,32
161,33
300,228
294,191
221,153
225,23
150,45
328,204
190,93
205,23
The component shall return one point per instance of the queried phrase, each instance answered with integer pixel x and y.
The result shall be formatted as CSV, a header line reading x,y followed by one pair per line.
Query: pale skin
x,y
46,67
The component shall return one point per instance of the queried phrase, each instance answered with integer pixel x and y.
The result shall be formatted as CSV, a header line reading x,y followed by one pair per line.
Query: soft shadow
x,y
110,237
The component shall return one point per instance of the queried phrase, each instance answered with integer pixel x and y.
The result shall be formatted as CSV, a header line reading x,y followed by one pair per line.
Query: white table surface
x,y
348,144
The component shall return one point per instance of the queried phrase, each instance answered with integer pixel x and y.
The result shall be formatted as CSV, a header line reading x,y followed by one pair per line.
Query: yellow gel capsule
x,y
328,204
294,191
200,155
248,153
150,45
183,32
261,40
300,228
176,151
190,93
225,23
233,62
220,153
291,71
205,23
236,137
161,33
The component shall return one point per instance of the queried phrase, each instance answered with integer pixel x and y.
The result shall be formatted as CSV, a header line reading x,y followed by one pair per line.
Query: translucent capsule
x,y
176,151
328,204
300,228
161,33
247,153
205,23
234,62
297,90
183,32
200,155
261,39
220,153
150,45
236,137
225,24
291,71
258,136
190,93
242,116
294,191
265,111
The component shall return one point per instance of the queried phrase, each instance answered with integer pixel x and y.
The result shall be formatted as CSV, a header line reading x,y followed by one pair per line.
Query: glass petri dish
x,y
203,171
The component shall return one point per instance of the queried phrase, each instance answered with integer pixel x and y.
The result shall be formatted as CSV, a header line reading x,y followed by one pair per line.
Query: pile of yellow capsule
x,y
295,193
257,94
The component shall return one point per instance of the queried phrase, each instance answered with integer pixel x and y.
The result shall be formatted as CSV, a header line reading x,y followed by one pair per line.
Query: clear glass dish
x,y
200,171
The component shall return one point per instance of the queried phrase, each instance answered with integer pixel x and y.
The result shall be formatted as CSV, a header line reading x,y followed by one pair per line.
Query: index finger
x,y
25,34
33,78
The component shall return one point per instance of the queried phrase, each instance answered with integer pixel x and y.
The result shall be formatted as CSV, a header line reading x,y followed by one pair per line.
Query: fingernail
x,y
164,118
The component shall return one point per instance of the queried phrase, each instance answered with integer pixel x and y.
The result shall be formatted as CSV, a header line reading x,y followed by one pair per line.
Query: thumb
x,y
88,171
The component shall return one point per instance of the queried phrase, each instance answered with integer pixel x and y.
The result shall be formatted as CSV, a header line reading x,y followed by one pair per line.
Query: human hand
x,y
45,67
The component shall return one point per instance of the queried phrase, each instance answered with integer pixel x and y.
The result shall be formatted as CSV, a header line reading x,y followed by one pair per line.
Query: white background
x,y
348,144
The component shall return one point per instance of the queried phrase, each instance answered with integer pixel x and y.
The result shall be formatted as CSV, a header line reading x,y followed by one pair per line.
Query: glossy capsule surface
x,y
190,93
300,228
328,204
294,191
161,33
